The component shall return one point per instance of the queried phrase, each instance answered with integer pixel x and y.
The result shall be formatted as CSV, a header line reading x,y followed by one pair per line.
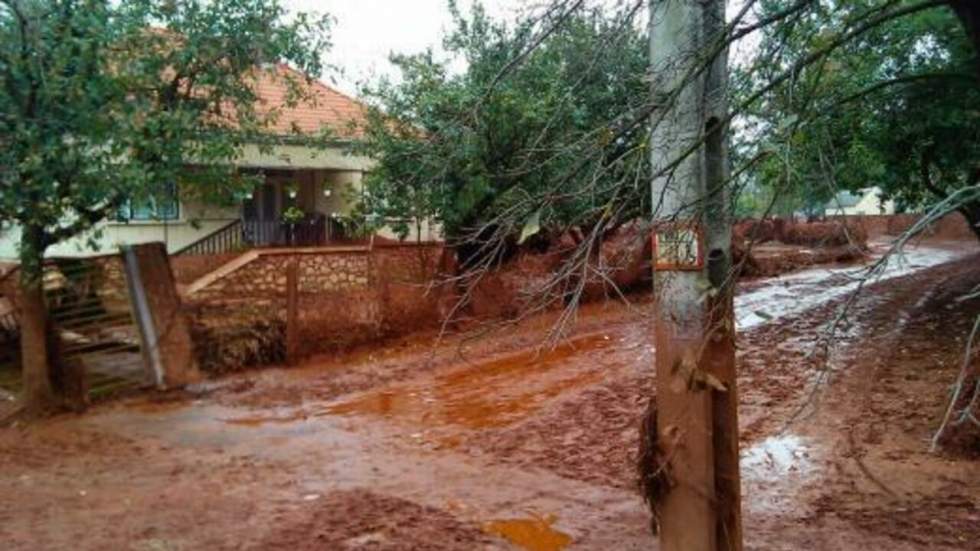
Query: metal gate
x,y
88,303
88,306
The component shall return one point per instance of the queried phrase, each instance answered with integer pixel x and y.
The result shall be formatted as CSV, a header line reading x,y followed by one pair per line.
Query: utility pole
x,y
697,422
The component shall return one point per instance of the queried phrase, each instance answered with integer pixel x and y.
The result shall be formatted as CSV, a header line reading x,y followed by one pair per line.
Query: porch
x,y
298,208
290,208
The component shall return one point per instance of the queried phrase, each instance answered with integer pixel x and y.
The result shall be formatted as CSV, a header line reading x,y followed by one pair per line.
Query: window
x,y
159,206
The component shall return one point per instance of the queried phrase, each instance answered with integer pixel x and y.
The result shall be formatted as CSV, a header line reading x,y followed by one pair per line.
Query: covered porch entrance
x,y
298,208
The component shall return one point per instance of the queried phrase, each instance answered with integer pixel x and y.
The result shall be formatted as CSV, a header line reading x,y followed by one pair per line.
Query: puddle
x,y
154,407
533,534
487,394
791,294
777,455
258,421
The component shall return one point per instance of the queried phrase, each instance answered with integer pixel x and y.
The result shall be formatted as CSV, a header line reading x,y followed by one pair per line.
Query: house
x,y
867,201
322,183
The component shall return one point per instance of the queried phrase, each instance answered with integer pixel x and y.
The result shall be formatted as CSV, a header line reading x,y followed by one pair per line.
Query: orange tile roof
x,y
325,108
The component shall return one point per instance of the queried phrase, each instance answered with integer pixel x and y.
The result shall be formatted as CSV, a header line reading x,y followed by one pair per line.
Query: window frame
x,y
149,211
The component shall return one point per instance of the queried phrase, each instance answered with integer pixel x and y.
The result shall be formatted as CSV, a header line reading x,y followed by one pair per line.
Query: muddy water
x,y
533,534
486,394
792,294
259,420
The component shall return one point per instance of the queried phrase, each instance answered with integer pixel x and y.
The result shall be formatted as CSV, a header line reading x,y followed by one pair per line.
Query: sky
x,y
366,31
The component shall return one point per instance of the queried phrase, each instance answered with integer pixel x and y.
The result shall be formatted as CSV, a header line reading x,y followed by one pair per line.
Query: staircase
x,y
226,239
220,272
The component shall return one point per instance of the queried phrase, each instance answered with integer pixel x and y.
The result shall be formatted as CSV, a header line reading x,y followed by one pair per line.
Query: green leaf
x,y
531,227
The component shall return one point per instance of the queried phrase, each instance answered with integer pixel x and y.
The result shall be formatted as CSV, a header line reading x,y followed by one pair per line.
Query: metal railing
x,y
314,231
311,232
225,239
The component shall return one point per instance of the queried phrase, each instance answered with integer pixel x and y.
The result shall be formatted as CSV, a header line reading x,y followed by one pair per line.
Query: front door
x,y
260,215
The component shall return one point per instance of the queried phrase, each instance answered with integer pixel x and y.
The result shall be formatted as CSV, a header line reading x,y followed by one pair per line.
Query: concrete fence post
x,y
168,350
292,313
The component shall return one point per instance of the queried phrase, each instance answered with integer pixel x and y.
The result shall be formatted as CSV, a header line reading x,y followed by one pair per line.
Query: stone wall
x,y
319,273
265,276
346,297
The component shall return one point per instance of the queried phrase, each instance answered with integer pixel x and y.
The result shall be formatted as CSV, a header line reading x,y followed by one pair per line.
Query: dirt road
x,y
492,442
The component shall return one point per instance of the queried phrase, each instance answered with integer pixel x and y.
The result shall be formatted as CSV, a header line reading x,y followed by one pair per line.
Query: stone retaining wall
x,y
346,297
334,273
265,276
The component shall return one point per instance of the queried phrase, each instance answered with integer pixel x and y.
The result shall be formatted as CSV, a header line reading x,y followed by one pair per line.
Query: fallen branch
x,y
967,413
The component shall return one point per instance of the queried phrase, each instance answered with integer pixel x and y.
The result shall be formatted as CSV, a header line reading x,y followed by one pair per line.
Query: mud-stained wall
x,y
413,291
346,297
952,226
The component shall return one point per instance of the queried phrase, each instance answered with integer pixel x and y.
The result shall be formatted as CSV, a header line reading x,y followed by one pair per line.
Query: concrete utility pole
x,y
695,341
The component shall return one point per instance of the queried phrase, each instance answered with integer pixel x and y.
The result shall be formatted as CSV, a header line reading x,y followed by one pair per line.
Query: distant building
x,y
865,201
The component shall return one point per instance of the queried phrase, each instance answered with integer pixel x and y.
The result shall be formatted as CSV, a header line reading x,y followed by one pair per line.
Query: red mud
x,y
770,247
773,259
360,519
488,441
408,289
481,395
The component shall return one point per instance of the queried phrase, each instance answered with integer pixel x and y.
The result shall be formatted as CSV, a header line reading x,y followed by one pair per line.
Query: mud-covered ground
x,y
494,441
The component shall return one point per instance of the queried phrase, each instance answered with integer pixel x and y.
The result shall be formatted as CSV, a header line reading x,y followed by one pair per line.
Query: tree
x,y
469,149
895,107
103,102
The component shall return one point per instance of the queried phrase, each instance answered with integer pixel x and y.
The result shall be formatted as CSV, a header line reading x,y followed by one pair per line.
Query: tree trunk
x,y
969,13
971,211
38,393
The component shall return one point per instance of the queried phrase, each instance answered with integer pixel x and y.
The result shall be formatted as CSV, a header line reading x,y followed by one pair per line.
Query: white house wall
x,y
871,203
344,187
299,157
430,231
176,234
